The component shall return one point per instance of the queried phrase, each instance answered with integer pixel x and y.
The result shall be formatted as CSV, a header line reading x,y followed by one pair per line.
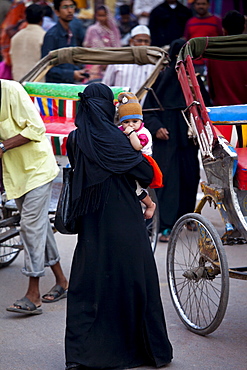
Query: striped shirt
x,y
202,27
127,75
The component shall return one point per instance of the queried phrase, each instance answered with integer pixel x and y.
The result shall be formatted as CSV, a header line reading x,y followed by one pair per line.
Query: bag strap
x,y
71,147
74,141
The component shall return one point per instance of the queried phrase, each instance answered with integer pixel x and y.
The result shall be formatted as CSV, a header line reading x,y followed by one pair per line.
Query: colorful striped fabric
x,y
57,105
50,110
58,144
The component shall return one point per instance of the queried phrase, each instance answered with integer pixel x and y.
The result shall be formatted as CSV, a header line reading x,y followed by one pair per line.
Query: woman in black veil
x,y
175,153
115,317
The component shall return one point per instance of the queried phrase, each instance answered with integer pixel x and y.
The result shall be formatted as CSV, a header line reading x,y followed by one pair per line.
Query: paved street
x,y
37,343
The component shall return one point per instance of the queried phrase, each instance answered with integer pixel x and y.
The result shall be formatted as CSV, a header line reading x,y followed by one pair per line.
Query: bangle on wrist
x,y
2,147
130,133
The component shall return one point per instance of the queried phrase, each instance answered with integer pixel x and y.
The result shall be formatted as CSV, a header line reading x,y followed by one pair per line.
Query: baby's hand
x,y
128,130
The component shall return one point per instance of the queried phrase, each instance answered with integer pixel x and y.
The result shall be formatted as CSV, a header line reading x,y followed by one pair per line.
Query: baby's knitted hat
x,y
129,107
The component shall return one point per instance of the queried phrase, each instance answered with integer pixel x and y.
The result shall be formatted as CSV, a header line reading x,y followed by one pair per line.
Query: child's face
x,y
133,123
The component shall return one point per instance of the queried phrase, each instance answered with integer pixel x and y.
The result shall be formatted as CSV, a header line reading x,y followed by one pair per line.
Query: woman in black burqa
x,y
115,317
175,153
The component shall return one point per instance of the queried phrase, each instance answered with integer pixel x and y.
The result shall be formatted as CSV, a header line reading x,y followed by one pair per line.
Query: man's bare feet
x,y
149,212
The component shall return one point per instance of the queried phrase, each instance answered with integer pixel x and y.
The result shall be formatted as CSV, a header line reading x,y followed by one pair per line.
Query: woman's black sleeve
x,y
143,173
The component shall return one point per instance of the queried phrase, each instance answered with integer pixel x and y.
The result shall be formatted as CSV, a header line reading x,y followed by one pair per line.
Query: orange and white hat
x,y
129,107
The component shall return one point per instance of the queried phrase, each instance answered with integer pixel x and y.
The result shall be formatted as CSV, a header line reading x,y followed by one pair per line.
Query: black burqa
x,y
115,317
177,157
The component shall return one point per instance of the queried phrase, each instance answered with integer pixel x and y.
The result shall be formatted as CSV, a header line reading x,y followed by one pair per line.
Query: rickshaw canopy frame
x,y
79,55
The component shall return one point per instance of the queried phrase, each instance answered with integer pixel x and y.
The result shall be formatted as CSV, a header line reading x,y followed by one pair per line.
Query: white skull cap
x,y
140,30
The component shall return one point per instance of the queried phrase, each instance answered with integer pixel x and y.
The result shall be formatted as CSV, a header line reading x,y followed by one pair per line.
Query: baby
x,y
130,115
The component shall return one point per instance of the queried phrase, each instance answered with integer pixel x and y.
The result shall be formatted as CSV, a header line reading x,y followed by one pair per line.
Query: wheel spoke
x,y
10,248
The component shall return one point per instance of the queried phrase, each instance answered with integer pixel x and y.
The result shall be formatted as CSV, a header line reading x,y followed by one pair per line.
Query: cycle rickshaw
x,y
57,104
197,268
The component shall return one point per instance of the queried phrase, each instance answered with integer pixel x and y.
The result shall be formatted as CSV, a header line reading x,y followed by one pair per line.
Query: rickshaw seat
x,y
57,105
234,115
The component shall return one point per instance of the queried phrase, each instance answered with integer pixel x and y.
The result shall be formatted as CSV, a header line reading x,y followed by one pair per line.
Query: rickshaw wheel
x,y
197,272
152,225
10,248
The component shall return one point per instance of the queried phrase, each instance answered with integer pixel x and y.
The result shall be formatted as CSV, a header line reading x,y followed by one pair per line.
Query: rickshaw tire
x,y
197,274
8,252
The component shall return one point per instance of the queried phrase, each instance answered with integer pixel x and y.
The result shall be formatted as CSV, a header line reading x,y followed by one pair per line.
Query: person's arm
x,y
25,115
133,137
143,173
13,142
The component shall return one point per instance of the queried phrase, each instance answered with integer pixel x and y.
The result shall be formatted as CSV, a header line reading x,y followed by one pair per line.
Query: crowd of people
x,y
115,317
51,27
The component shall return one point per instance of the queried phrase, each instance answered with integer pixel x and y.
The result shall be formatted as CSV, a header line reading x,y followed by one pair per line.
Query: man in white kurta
x,y
131,75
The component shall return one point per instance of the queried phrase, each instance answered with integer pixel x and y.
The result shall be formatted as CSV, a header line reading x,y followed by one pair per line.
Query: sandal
x,y
57,292
164,238
24,305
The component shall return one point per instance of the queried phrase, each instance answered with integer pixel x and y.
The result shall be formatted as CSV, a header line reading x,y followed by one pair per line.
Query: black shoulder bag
x,y
64,203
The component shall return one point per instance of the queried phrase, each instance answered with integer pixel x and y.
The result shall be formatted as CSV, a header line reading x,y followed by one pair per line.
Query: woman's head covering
x,y
175,48
99,138
167,86
102,149
111,25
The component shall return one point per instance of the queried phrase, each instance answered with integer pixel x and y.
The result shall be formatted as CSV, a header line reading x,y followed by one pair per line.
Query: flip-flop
x,y
24,305
164,238
57,292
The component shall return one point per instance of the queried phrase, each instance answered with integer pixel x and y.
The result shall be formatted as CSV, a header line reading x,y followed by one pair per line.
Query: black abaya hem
x,y
115,317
